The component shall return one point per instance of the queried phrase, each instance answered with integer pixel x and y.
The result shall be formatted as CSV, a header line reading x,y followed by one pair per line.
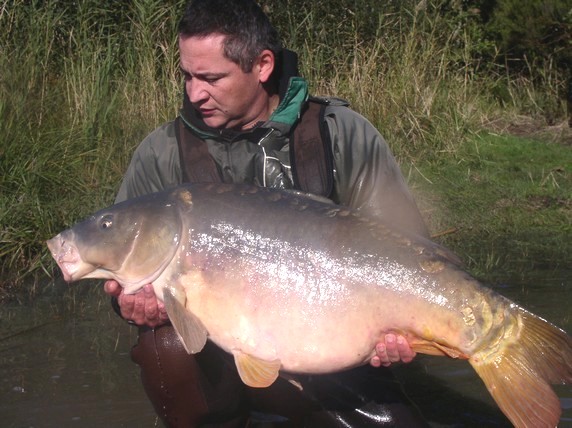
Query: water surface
x,y
64,362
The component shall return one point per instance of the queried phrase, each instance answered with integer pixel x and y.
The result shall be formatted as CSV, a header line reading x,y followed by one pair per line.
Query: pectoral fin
x,y
189,327
256,372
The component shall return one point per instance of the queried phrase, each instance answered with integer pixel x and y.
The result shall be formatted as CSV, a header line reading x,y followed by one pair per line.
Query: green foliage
x,y
504,192
533,30
83,82
80,88
408,66
528,43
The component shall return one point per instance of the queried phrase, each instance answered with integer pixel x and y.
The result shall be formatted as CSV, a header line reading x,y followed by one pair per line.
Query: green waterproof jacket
x,y
366,175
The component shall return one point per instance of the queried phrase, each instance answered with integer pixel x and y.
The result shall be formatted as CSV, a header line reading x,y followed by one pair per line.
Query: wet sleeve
x,y
367,176
155,165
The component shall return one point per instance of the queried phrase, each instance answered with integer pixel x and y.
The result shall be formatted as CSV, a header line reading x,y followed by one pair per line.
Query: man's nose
x,y
196,91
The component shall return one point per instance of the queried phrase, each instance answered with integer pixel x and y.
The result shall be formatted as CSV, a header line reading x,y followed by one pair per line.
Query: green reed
x,y
83,82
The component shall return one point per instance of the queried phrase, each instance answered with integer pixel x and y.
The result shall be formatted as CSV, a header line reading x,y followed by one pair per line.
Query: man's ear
x,y
265,65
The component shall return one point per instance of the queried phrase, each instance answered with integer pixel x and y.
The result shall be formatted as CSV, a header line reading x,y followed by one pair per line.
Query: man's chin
x,y
214,122
219,121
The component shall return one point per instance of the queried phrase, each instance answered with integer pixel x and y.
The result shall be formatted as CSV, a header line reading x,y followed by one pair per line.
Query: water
x,y
64,362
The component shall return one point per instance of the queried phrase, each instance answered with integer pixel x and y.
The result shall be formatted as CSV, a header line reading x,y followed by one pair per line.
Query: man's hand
x,y
142,308
394,349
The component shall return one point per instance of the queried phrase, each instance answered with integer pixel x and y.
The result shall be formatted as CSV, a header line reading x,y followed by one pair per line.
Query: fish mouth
x,y
66,255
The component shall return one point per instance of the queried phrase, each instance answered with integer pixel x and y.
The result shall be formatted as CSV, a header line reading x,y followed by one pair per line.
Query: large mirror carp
x,y
288,283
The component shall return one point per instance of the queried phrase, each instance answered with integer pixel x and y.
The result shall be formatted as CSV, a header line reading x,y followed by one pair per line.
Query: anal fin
x,y
428,347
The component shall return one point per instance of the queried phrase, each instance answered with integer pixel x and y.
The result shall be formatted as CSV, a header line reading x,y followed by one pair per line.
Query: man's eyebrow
x,y
208,74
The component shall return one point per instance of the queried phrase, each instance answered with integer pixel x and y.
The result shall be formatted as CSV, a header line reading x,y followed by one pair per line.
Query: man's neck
x,y
268,108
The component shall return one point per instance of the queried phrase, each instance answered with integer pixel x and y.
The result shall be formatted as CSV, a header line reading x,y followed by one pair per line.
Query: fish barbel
x,y
285,282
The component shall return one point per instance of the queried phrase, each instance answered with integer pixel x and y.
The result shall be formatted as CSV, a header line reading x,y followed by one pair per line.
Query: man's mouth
x,y
207,111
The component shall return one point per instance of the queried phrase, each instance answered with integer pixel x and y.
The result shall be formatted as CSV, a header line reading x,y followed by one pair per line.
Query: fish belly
x,y
311,330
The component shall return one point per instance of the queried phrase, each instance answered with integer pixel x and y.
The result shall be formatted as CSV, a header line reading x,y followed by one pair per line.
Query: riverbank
x,y
505,197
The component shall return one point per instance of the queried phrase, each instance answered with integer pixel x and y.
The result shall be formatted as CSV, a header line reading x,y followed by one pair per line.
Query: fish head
x,y
131,242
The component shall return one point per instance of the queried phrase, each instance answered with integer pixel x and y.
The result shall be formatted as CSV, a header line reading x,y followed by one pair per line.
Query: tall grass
x,y
77,95
420,76
83,82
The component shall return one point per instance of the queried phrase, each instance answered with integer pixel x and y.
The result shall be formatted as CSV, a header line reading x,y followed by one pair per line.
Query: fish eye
x,y
106,221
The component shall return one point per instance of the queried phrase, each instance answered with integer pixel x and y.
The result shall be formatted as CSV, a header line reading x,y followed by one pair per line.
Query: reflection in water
x,y
64,362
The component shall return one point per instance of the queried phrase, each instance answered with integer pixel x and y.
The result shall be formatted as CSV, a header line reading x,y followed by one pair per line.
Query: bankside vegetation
x,y
81,84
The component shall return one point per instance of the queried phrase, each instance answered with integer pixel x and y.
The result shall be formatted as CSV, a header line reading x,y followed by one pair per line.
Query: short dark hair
x,y
247,29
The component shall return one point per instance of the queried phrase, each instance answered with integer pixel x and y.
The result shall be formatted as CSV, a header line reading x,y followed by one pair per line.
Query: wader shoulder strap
x,y
311,152
197,164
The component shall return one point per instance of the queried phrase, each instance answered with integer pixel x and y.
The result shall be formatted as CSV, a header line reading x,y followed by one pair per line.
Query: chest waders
x,y
311,158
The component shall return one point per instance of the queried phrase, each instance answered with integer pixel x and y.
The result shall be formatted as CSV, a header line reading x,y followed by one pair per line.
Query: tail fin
x,y
518,375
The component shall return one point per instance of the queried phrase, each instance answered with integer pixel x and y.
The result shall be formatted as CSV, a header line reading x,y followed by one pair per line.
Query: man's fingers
x,y
112,288
127,304
405,352
150,305
375,361
382,357
138,314
394,349
391,349
142,307
163,316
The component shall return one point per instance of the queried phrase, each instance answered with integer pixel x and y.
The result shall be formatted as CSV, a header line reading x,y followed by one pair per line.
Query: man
x,y
244,120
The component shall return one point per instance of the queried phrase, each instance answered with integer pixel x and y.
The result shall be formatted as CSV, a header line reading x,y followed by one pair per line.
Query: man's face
x,y
223,94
